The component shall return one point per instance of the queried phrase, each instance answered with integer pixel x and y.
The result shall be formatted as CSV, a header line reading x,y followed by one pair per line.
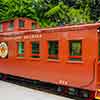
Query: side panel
x,y
62,71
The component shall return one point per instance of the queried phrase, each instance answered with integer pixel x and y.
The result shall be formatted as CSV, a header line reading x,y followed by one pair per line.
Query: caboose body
x,y
65,56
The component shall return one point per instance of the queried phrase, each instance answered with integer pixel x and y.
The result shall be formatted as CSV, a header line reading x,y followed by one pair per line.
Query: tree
x,y
51,12
16,8
64,14
95,9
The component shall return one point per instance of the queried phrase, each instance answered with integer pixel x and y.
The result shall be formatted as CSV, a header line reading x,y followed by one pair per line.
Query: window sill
x,y
36,59
75,62
98,62
53,60
21,28
10,30
20,58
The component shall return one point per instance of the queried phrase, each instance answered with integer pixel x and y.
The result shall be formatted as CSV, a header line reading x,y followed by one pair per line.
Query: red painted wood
x,y
84,74
75,56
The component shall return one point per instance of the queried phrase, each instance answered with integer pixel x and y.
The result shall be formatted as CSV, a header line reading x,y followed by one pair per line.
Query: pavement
x,y
9,91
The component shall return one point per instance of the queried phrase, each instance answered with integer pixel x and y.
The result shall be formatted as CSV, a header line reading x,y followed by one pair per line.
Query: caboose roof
x,y
55,29
6,20
18,24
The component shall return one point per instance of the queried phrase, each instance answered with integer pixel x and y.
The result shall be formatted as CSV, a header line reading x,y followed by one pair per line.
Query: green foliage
x,y
95,9
65,14
78,16
16,8
51,12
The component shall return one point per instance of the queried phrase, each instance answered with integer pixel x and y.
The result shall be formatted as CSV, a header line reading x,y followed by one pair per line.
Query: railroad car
x,y
67,56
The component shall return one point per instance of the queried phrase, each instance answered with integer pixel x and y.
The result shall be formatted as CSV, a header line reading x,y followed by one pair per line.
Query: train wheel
x,y
4,77
60,90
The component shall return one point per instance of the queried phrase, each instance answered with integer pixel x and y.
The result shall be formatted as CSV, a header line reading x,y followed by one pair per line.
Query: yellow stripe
x,y
97,98
98,90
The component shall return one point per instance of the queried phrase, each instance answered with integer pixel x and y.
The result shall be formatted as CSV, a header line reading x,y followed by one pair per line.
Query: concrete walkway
x,y
9,91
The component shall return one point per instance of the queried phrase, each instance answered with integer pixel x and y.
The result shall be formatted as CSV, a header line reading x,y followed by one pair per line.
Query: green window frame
x,y
20,46
35,49
33,26
11,25
75,50
21,23
1,27
53,49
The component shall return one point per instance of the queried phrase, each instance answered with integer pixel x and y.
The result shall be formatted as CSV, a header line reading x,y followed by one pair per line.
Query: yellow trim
x,y
98,90
97,98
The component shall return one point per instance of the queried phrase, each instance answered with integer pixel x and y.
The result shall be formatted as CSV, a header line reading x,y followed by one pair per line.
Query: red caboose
x,y
66,56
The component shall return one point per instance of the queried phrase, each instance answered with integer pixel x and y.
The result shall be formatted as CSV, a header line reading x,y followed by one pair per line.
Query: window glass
x,y
53,49
75,50
11,26
33,26
21,49
35,50
0,27
21,23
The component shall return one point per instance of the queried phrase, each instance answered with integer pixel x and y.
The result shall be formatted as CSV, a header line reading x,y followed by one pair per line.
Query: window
x,y
53,49
35,49
33,26
21,49
0,27
75,50
11,26
21,23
